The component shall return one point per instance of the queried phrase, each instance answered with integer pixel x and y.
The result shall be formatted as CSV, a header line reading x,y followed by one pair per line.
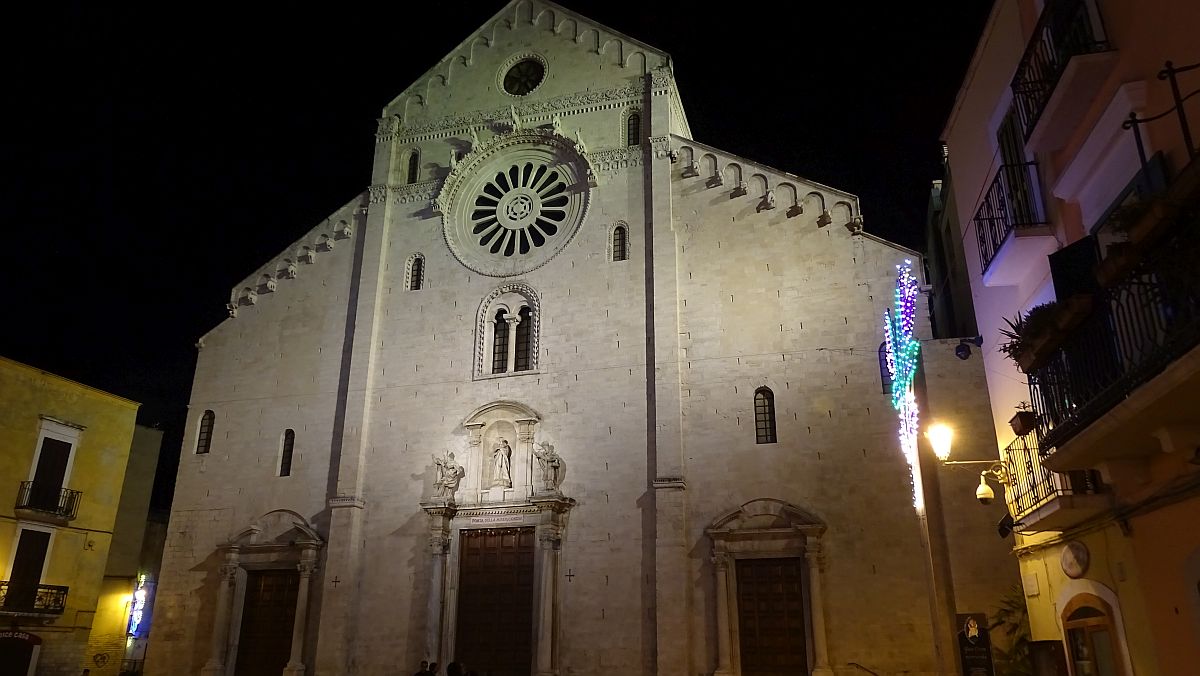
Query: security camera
x,y
984,494
962,351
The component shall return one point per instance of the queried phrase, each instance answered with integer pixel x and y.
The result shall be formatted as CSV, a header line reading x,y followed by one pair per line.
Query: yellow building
x,y
64,448
1076,191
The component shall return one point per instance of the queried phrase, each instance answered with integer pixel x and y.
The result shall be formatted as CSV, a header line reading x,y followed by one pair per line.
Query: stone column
x,y
438,546
724,659
512,320
220,635
550,539
812,553
307,566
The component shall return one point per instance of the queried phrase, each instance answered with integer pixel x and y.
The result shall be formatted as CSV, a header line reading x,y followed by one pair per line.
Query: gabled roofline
x,y
760,165
509,8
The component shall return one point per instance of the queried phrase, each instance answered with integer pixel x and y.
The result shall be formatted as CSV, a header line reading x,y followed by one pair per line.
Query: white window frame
x,y
21,524
60,430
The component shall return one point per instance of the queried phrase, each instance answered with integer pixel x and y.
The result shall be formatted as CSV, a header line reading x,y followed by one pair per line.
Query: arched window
x,y
204,438
414,165
764,416
507,331
620,243
500,343
524,330
633,129
416,272
885,374
285,458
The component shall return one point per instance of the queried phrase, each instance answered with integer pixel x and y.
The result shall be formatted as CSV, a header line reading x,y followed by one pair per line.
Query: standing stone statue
x,y
516,119
502,465
449,474
551,464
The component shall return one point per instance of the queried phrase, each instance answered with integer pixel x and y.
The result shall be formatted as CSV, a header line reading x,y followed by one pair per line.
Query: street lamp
x,y
941,438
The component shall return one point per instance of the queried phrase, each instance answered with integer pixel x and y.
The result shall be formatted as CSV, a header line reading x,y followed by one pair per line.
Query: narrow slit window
x,y
414,165
633,129
416,274
620,243
885,374
764,416
204,438
500,344
285,459
524,331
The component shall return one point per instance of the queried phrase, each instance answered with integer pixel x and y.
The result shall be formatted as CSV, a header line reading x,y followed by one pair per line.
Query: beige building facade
x,y
656,367
1072,146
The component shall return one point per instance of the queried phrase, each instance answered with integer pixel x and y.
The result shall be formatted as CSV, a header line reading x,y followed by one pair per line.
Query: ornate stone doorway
x,y
495,601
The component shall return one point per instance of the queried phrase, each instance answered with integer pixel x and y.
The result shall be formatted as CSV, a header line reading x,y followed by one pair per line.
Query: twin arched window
x,y
508,331
204,437
285,457
764,416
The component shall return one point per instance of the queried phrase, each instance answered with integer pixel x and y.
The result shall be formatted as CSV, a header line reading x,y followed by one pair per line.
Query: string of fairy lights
x,y
902,350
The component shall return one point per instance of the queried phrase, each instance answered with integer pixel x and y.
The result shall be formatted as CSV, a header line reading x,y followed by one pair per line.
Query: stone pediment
x,y
277,528
765,516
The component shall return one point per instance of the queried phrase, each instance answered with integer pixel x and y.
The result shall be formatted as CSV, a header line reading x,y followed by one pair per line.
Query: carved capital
x,y
306,568
229,572
720,562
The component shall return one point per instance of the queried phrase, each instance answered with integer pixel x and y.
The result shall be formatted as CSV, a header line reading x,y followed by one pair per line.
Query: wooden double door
x,y
494,635
772,637
268,613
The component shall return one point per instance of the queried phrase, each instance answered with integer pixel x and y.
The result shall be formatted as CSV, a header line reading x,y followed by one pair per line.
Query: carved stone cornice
x,y
535,111
661,145
341,501
615,159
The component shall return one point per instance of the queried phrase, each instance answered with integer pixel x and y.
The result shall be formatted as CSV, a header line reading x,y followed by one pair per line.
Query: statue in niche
x,y
449,474
502,465
551,464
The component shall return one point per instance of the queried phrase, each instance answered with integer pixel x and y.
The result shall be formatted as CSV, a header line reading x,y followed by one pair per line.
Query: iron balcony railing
x,y
1139,324
28,599
1066,28
42,497
1012,202
1032,486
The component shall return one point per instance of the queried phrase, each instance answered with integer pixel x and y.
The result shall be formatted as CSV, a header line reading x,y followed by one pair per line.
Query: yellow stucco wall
x,y
78,551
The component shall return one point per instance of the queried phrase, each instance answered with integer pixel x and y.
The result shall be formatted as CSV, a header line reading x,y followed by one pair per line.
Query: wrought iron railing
x,y
1032,486
1170,73
1013,201
1138,325
42,599
42,497
1066,28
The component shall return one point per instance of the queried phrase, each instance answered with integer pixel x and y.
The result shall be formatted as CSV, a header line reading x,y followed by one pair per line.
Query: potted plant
x,y
1026,334
1025,421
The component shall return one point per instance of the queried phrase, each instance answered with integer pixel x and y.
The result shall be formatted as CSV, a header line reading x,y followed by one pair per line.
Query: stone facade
x,y
640,374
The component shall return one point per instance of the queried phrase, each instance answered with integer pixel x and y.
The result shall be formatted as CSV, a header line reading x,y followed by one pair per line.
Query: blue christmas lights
x,y
902,352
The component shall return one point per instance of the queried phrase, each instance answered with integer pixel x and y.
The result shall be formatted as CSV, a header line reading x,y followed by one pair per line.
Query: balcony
x,y
1067,59
1044,500
44,502
42,599
1011,226
1124,377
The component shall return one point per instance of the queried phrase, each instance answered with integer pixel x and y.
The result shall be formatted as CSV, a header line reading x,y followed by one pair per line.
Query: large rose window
x,y
514,203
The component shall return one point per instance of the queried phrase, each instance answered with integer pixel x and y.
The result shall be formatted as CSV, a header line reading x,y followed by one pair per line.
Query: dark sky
x,y
160,153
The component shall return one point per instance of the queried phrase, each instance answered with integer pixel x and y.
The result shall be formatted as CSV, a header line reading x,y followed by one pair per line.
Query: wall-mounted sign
x,y
974,645
496,519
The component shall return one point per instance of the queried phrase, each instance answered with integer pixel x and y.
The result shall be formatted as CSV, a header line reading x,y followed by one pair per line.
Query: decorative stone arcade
x,y
529,497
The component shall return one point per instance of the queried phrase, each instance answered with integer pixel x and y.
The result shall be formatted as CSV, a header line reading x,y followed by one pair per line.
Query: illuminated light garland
x,y
137,607
902,352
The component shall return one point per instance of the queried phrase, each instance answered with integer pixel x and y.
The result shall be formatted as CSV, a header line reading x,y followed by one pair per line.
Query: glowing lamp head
x,y
941,437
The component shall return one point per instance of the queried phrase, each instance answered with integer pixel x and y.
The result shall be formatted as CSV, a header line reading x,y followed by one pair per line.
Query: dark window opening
x,y
204,439
764,416
524,332
633,129
416,274
885,374
285,461
414,165
500,344
620,244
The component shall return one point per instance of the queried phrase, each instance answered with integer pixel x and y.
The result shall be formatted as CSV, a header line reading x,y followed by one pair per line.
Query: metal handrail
x,y
41,497
1066,28
1031,485
45,599
1012,201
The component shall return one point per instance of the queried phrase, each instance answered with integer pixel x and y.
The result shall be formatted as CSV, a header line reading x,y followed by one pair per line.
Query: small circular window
x,y
519,209
524,77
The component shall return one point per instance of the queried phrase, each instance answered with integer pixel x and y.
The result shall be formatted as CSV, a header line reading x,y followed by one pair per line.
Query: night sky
x,y
158,154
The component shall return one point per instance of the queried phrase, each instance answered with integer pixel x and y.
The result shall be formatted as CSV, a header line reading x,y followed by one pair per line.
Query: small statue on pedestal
x,y
551,464
449,474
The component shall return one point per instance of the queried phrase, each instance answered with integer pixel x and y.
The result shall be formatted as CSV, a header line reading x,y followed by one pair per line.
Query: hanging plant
x,y
1025,420
1025,331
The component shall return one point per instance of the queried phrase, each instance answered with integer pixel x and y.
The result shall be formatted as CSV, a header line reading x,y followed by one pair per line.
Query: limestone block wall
x,y
274,366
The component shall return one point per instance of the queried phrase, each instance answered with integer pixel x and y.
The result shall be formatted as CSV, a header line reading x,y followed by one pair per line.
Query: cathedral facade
x,y
564,391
